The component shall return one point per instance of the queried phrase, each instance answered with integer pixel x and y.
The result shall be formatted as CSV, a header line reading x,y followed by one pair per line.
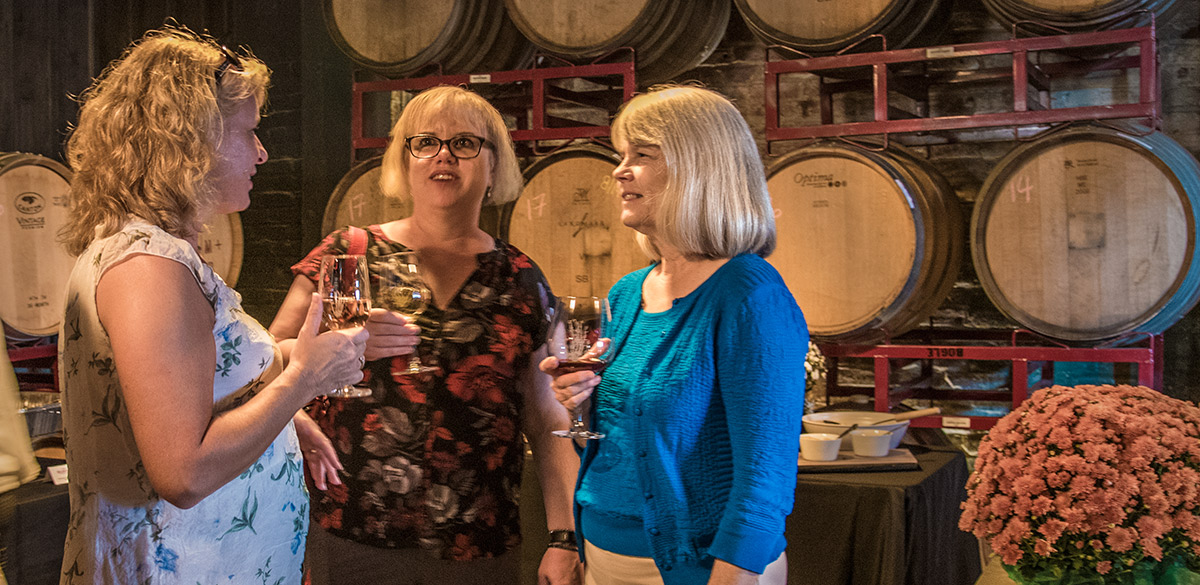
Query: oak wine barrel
x,y
568,220
1074,16
34,268
869,242
1089,233
668,37
221,246
820,27
397,38
357,200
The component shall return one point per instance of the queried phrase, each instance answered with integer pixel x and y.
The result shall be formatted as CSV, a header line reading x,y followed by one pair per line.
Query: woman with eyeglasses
x,y
419,482
177,408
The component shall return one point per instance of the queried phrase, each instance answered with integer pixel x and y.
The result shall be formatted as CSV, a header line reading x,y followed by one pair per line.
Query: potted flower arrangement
x,y
1091,484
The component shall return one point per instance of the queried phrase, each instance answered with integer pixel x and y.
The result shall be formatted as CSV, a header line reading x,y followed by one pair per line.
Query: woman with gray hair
x,y
701,401
419,482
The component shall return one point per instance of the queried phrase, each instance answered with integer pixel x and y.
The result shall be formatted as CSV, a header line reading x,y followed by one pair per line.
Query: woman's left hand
x,y
392,334
560,567
573,388
318,451
724,573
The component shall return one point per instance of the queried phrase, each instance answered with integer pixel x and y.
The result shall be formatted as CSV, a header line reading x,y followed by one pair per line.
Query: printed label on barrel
x,y
568,220
33,267
838,218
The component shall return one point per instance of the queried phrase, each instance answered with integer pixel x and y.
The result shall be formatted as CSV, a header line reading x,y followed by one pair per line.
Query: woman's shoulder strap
x,y
357,239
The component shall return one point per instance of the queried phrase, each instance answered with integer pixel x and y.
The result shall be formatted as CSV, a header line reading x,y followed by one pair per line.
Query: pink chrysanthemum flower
x,y
1115,467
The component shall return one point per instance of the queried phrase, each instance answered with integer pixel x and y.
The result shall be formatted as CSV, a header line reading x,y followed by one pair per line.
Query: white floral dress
x,y
250,531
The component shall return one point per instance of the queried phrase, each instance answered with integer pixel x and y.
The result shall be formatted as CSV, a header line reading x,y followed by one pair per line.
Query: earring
x,y
487,193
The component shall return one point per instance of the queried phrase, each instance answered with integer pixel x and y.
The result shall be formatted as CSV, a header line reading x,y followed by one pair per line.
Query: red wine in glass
x,y
594,365
577,324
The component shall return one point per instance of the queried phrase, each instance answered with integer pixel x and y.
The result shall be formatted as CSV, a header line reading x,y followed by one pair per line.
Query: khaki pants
x,y
607,568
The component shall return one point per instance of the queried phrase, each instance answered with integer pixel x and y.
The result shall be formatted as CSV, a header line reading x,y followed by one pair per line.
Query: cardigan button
x,y
666,567
648,496
641,453
638,411
654,532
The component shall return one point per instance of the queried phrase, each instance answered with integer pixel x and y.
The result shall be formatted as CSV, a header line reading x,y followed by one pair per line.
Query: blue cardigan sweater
x,y
717,419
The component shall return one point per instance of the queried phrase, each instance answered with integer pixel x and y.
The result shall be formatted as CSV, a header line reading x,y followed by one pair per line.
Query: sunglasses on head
x,y
231,60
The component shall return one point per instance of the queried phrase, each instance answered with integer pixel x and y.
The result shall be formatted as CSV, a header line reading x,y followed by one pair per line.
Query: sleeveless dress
x,y
249,531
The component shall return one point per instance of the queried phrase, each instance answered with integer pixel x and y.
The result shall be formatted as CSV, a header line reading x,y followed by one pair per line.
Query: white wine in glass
x,y
576,325
344,287
401,289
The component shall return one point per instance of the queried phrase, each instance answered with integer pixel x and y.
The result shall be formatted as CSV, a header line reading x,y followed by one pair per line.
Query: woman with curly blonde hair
x,y
177,409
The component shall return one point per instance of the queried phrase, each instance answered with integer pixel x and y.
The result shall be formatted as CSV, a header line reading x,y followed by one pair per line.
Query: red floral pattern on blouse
x,y
434,461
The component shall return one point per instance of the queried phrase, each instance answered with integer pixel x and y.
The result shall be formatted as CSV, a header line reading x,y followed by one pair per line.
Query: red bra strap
x,y
358,241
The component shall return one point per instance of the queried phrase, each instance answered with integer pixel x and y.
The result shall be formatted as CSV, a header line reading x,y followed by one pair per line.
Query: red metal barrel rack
x,y
1022,349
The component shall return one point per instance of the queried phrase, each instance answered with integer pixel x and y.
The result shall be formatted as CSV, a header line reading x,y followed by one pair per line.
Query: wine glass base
x,y
578,434
411,371
350,392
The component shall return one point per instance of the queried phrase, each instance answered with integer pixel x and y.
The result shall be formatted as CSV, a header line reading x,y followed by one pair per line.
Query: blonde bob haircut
x,y
715,203
149,132
459,104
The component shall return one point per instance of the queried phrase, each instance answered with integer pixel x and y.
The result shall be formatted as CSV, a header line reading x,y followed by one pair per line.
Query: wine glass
x,y
344,287
576,325
401,289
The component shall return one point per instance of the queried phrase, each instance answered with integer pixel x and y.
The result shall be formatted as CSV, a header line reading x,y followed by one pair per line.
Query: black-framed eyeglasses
x,y
428,145
231,60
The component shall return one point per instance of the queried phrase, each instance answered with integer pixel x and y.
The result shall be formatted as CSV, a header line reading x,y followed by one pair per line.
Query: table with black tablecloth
x,y
883,528
33,532
848,528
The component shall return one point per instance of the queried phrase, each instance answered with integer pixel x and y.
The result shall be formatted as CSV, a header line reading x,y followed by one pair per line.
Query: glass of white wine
x,y
344,286
401,289
577,324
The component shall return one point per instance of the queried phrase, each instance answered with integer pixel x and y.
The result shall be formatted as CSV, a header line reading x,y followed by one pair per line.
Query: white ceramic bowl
x,y
837,421
819,446
870,442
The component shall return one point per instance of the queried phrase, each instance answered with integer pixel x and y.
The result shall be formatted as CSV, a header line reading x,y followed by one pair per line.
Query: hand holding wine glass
x,y
344,287
401,289
576,329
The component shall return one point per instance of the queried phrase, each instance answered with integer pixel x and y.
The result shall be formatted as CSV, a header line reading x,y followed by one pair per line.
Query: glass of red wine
x,y
576,325
344,286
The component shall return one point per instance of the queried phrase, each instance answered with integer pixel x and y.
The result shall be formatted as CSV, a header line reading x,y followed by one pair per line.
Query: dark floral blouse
x,y
434,460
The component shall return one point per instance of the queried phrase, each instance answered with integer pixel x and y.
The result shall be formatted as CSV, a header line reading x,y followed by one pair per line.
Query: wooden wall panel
x,y
44,57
